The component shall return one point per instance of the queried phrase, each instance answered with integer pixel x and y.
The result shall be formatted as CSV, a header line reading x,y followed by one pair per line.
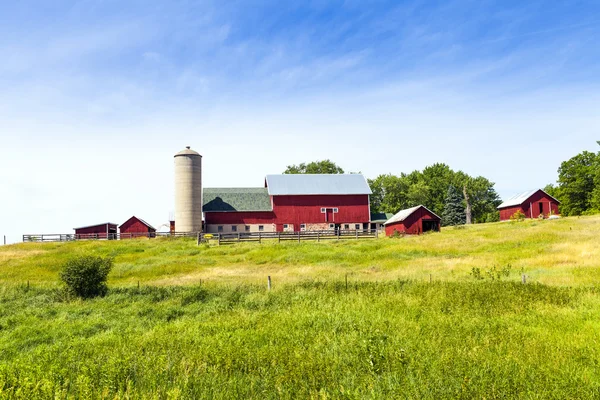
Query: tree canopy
x,y
578,187
430,188
315,167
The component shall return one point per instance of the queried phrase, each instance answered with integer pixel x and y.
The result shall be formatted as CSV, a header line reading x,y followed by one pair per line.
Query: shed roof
x,y
236,199
92,226
380,218
403,214
317,184
139,219
521,198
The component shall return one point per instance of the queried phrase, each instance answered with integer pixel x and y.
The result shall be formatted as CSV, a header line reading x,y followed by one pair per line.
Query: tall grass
x,y
312,339
563,252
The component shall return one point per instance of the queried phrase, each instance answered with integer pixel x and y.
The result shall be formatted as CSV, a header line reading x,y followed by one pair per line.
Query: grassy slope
x,y
228,338
563,252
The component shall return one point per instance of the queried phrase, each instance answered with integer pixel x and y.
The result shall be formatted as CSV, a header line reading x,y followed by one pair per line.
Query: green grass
x,y
563,252
388,334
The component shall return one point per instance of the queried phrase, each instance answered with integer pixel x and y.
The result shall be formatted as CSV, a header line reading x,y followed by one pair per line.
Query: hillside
x,y
558,252
313,335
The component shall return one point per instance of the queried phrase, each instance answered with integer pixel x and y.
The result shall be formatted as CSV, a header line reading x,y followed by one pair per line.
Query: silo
x,y
188,191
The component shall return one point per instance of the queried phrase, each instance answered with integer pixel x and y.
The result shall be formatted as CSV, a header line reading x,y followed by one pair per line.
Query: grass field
x,y
388,333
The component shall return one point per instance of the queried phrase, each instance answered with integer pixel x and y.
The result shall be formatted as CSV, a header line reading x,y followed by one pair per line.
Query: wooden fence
x,y
219,238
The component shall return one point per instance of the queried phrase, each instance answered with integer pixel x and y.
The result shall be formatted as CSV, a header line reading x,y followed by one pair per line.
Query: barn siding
x,y
296,210
99,230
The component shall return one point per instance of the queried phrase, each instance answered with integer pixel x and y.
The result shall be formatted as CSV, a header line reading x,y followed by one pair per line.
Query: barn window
x,y
220,228
285,226
346,226
331,226
335,210
233,228
323,210
247,228
261,228
357,226
302,227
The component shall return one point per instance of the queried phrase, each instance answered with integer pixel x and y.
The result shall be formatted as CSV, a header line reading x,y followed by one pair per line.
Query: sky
x,y
97,96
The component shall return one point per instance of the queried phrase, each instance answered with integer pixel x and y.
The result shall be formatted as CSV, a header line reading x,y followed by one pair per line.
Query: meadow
x,y
187,321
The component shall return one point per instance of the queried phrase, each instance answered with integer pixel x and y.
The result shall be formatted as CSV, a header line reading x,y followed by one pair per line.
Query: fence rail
x,y
219,238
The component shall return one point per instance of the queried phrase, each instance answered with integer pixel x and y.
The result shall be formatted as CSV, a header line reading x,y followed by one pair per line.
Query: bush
x,y
86,276
518,216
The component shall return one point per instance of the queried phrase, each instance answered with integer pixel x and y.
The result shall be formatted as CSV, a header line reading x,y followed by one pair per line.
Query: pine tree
x,y
454,209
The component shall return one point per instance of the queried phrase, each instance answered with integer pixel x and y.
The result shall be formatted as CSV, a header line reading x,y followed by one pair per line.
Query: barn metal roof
x,y
521,198
91,226
403,214
236,199
315,184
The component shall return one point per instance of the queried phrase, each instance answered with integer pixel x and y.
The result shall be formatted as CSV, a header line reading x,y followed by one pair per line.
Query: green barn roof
x,y
236,199
380,218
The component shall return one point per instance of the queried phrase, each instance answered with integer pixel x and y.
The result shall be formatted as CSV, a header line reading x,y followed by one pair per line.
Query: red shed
x,y
106,230
415,220
533,204
136,227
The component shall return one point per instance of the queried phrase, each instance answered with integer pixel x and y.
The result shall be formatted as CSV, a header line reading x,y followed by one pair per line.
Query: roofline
x,y
318,194
139,219
416,208
539,190
103,223
233,211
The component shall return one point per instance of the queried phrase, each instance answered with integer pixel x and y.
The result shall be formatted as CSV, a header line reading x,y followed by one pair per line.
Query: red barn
x,y
415,220
136,227
533,204
107,230
290,203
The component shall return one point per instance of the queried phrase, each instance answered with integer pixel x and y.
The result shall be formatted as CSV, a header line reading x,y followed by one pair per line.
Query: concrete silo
x,y
188,191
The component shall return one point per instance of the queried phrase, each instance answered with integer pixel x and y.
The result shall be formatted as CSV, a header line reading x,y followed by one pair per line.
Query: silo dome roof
x,y
187,152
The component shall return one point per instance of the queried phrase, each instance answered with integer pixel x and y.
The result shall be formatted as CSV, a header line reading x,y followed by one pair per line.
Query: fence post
x,y
298,236
238,236
259,238
430,279
269,282
278,237
5,240
219,238
524,279
318,236
346,282
376,232
356,233
198,240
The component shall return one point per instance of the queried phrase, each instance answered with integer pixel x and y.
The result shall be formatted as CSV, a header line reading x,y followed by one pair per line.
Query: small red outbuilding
x,y
414,221
136,227
107,230
533,204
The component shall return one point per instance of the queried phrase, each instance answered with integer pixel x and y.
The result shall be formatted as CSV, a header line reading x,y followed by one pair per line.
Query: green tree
x,y
578,181
315,167
86,276
454,209
389,193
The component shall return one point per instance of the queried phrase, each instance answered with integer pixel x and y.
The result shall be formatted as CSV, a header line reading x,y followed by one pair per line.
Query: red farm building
x,y
308,202
106,230
136,227
415,220
533,204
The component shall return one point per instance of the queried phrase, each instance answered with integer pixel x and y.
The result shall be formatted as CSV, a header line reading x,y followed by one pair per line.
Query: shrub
x,y
518,216
86,276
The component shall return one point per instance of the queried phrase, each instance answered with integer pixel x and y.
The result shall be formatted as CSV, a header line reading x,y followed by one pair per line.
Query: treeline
x,y
578,186
454,195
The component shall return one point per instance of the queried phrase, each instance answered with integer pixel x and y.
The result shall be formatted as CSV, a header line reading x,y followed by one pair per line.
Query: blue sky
x,y
96,96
